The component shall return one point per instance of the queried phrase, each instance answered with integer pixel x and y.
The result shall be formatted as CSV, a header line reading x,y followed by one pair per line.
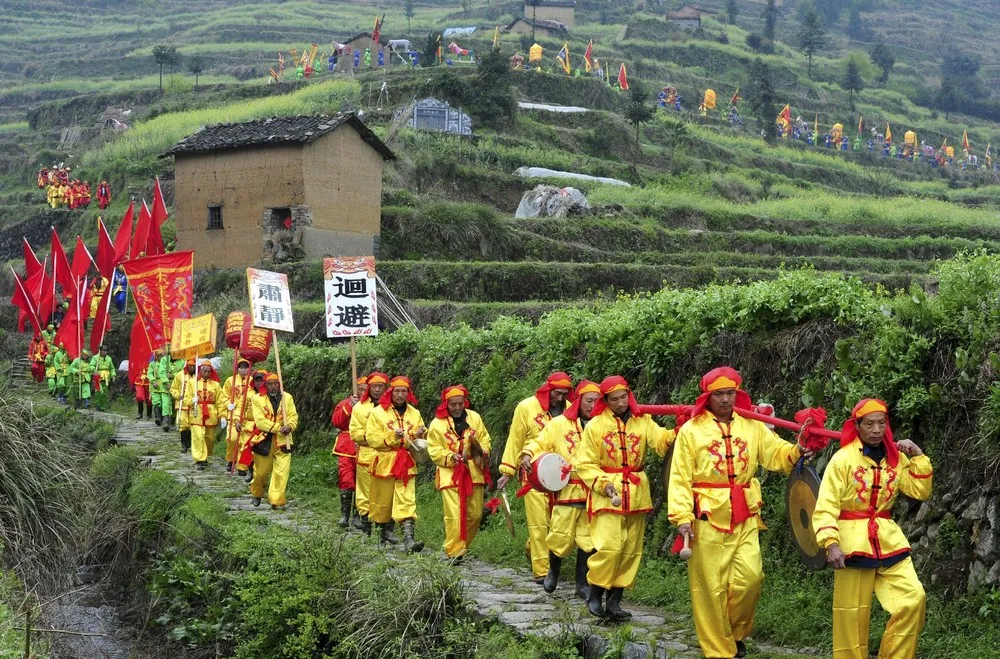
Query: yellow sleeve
x,y
378,435
918,478
437,445
680,496
587,460
226,393
659,438
357,428
291,414
774,453
220,404
515,443
540,444
260,420
826,517
175,388
483,435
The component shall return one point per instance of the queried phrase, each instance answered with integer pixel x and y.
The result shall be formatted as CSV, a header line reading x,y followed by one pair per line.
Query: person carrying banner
x,y
236,401
866,548
80,370
569,526
275,420
459,444
377,383
181,388
392,428
714,500
530,417
204,413
610,462
347,453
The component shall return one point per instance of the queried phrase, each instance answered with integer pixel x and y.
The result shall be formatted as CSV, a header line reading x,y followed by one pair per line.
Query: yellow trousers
x,y
569,529
899,592
618,541
536,509
241,445
277,466
362,489
390,499
202,442
233,440
453,543
725,576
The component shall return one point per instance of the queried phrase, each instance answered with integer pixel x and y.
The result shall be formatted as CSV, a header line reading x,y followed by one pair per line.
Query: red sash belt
x,y
401,467
872,518
737,498
628,473
461,478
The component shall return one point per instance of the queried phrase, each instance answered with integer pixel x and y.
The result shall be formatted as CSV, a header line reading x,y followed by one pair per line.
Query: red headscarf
x,y
849,432
377,377
450,392
397,381
557,380
584,387
214,376
723,377
262,389
611,384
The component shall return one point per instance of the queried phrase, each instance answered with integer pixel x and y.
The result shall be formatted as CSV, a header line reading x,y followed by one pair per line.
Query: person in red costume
x,y
346,451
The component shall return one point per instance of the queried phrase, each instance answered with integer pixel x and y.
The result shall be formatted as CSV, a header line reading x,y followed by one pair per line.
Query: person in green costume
x,y
81,371
103,368
61,365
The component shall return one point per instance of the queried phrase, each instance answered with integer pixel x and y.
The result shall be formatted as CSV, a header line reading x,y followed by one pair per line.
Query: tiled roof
x,y
274,130
687,11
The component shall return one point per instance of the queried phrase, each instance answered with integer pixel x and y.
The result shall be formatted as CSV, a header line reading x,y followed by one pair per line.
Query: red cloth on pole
x,y
124,235
105,252
81,260
31,262
141,236
162,287
139,351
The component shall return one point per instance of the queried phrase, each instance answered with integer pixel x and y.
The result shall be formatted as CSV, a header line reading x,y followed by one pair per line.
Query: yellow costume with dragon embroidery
x,y
391,497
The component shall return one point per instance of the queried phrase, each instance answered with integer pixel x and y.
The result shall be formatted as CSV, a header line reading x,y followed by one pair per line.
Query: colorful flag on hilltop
x,y
377,30
888,133
816,126
588,57
439,52
27,310
273,74
736,98
31,263
965,141
496,37
944,144
162,290
124,235
281,64
861,125
563,57
988,153
623,77
785,116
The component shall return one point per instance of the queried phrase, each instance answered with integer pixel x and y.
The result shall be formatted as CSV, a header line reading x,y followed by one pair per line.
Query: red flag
x,y
623,77
22,300
40,289
61,274
139,352
68,333
141,237
124,235
154,244
102,323
105,251
82,260
377,30
162,287
588,55
31,263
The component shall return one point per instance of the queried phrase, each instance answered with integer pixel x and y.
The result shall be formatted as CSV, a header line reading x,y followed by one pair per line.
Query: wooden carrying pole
x,y
354,368
281,385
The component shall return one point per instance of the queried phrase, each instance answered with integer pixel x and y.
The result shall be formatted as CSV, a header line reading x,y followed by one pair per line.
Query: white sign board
x,y
349,294
270,301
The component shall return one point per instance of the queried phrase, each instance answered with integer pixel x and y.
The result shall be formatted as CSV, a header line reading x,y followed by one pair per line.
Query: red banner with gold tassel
x,y
163,290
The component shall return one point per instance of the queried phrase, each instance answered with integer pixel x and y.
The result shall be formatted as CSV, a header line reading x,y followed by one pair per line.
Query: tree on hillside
x,y
770,17
732,11
762,98
811,36
638,111
882,57
855,27
852,82
491,95
408,10
195,66
429,56
948,97
534,8
960,80
165,56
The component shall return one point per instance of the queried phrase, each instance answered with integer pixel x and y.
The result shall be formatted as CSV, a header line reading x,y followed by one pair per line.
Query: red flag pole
x,y
674,410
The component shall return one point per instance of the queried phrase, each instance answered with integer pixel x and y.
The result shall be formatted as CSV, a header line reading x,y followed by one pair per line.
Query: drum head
x,y
552,472
801,495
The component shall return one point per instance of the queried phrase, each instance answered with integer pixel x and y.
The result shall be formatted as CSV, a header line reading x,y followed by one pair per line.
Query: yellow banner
x,y
193,337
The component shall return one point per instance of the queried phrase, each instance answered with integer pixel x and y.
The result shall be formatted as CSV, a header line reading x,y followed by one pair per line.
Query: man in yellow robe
x,y
459,444
569,527
180,392
275,419
867,549
610,462
393,427
377,383
236,401
714,500
530,416
203,414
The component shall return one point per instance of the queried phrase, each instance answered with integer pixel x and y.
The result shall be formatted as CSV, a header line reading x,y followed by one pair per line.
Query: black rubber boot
x,y
249,476
185,441
615,610
595,603
157,416
389,533
345,508
411,545
359,522
366,525
552,578
741,649
149,410
139,406
582,587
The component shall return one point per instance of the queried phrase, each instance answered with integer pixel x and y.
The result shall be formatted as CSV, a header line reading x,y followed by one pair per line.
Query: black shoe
x,y
346,499
741,649
249,477
366,525
200,466
229,466
615,610
551,579
388,533
255,501
409,543
582,587
595,604
359,522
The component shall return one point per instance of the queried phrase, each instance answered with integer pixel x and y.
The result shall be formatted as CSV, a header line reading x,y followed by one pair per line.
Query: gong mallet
x,y
685,552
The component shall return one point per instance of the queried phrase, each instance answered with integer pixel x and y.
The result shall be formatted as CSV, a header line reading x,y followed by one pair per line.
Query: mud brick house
x,y
243,189
687,17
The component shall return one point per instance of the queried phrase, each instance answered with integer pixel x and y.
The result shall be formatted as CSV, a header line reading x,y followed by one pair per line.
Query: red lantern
x,y
256,344
236,322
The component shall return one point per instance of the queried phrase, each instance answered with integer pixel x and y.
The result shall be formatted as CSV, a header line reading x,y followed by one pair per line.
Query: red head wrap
x,y
612,384
849,432
262,389
557,380
450,392
584,387
212,376
397,381
377,377
723,377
